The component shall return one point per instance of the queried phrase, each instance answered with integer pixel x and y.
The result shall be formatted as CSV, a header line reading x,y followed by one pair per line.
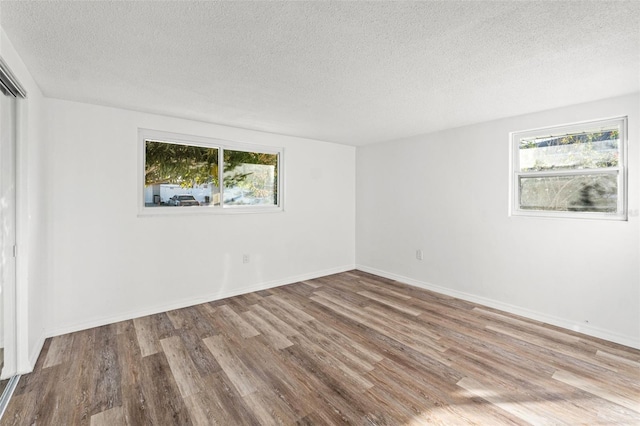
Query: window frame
x,y
221,145
620,170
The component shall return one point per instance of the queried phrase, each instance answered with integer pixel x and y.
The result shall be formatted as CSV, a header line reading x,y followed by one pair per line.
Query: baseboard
x,y
183,303
513,309
35,353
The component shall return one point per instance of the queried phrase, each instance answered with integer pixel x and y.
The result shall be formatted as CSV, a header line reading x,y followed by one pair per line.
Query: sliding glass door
x,y
7,234
9,91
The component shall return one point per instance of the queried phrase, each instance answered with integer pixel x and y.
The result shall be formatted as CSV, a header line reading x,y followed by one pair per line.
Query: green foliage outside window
x,y
252,175
188,165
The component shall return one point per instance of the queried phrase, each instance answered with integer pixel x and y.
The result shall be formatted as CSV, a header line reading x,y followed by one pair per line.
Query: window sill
x,y
205,211
569,215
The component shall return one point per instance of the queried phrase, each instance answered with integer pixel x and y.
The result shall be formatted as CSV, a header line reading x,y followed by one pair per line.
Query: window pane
x,y
581,193
250,178
584,150
180,175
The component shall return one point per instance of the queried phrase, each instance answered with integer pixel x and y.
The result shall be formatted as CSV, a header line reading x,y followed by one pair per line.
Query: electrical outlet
x,y
245,258
419,254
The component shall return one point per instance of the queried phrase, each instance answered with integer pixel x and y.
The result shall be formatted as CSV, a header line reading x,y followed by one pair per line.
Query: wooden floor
x,y
348,348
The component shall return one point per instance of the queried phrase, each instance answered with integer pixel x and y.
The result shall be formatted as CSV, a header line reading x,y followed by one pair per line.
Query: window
x,y
571,171
183,174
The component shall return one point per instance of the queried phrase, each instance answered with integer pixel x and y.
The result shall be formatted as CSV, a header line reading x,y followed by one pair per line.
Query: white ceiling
x,y
347,72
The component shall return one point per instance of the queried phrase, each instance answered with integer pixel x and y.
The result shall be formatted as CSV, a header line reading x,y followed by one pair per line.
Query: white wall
x,y
109,264
447,194
33,244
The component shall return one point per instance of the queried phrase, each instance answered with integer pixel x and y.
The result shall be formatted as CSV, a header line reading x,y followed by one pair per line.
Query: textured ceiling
x,y
347,72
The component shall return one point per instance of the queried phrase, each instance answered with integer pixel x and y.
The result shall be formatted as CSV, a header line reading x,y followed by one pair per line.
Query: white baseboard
x,y
183,303
33,356
517,310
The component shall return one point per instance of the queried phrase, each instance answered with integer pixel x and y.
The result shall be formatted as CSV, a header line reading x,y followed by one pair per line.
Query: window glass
x,y
250,178
183,173
592,150
180,175
581,193
575,170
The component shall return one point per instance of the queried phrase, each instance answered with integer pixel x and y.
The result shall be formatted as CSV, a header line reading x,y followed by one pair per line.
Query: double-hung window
x,y
185,174
576,170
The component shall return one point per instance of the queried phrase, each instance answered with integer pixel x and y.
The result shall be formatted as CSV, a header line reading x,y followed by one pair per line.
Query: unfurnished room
x,y
319,213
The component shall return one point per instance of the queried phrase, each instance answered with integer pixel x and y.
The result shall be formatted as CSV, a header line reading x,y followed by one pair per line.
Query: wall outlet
x,y
245,258
419,254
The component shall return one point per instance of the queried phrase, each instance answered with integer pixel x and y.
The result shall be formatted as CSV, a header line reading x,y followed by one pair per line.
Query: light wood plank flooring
x,y
347,348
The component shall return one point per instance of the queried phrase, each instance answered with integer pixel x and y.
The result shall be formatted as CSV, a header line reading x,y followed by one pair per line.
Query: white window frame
x,y
620,170
221,145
